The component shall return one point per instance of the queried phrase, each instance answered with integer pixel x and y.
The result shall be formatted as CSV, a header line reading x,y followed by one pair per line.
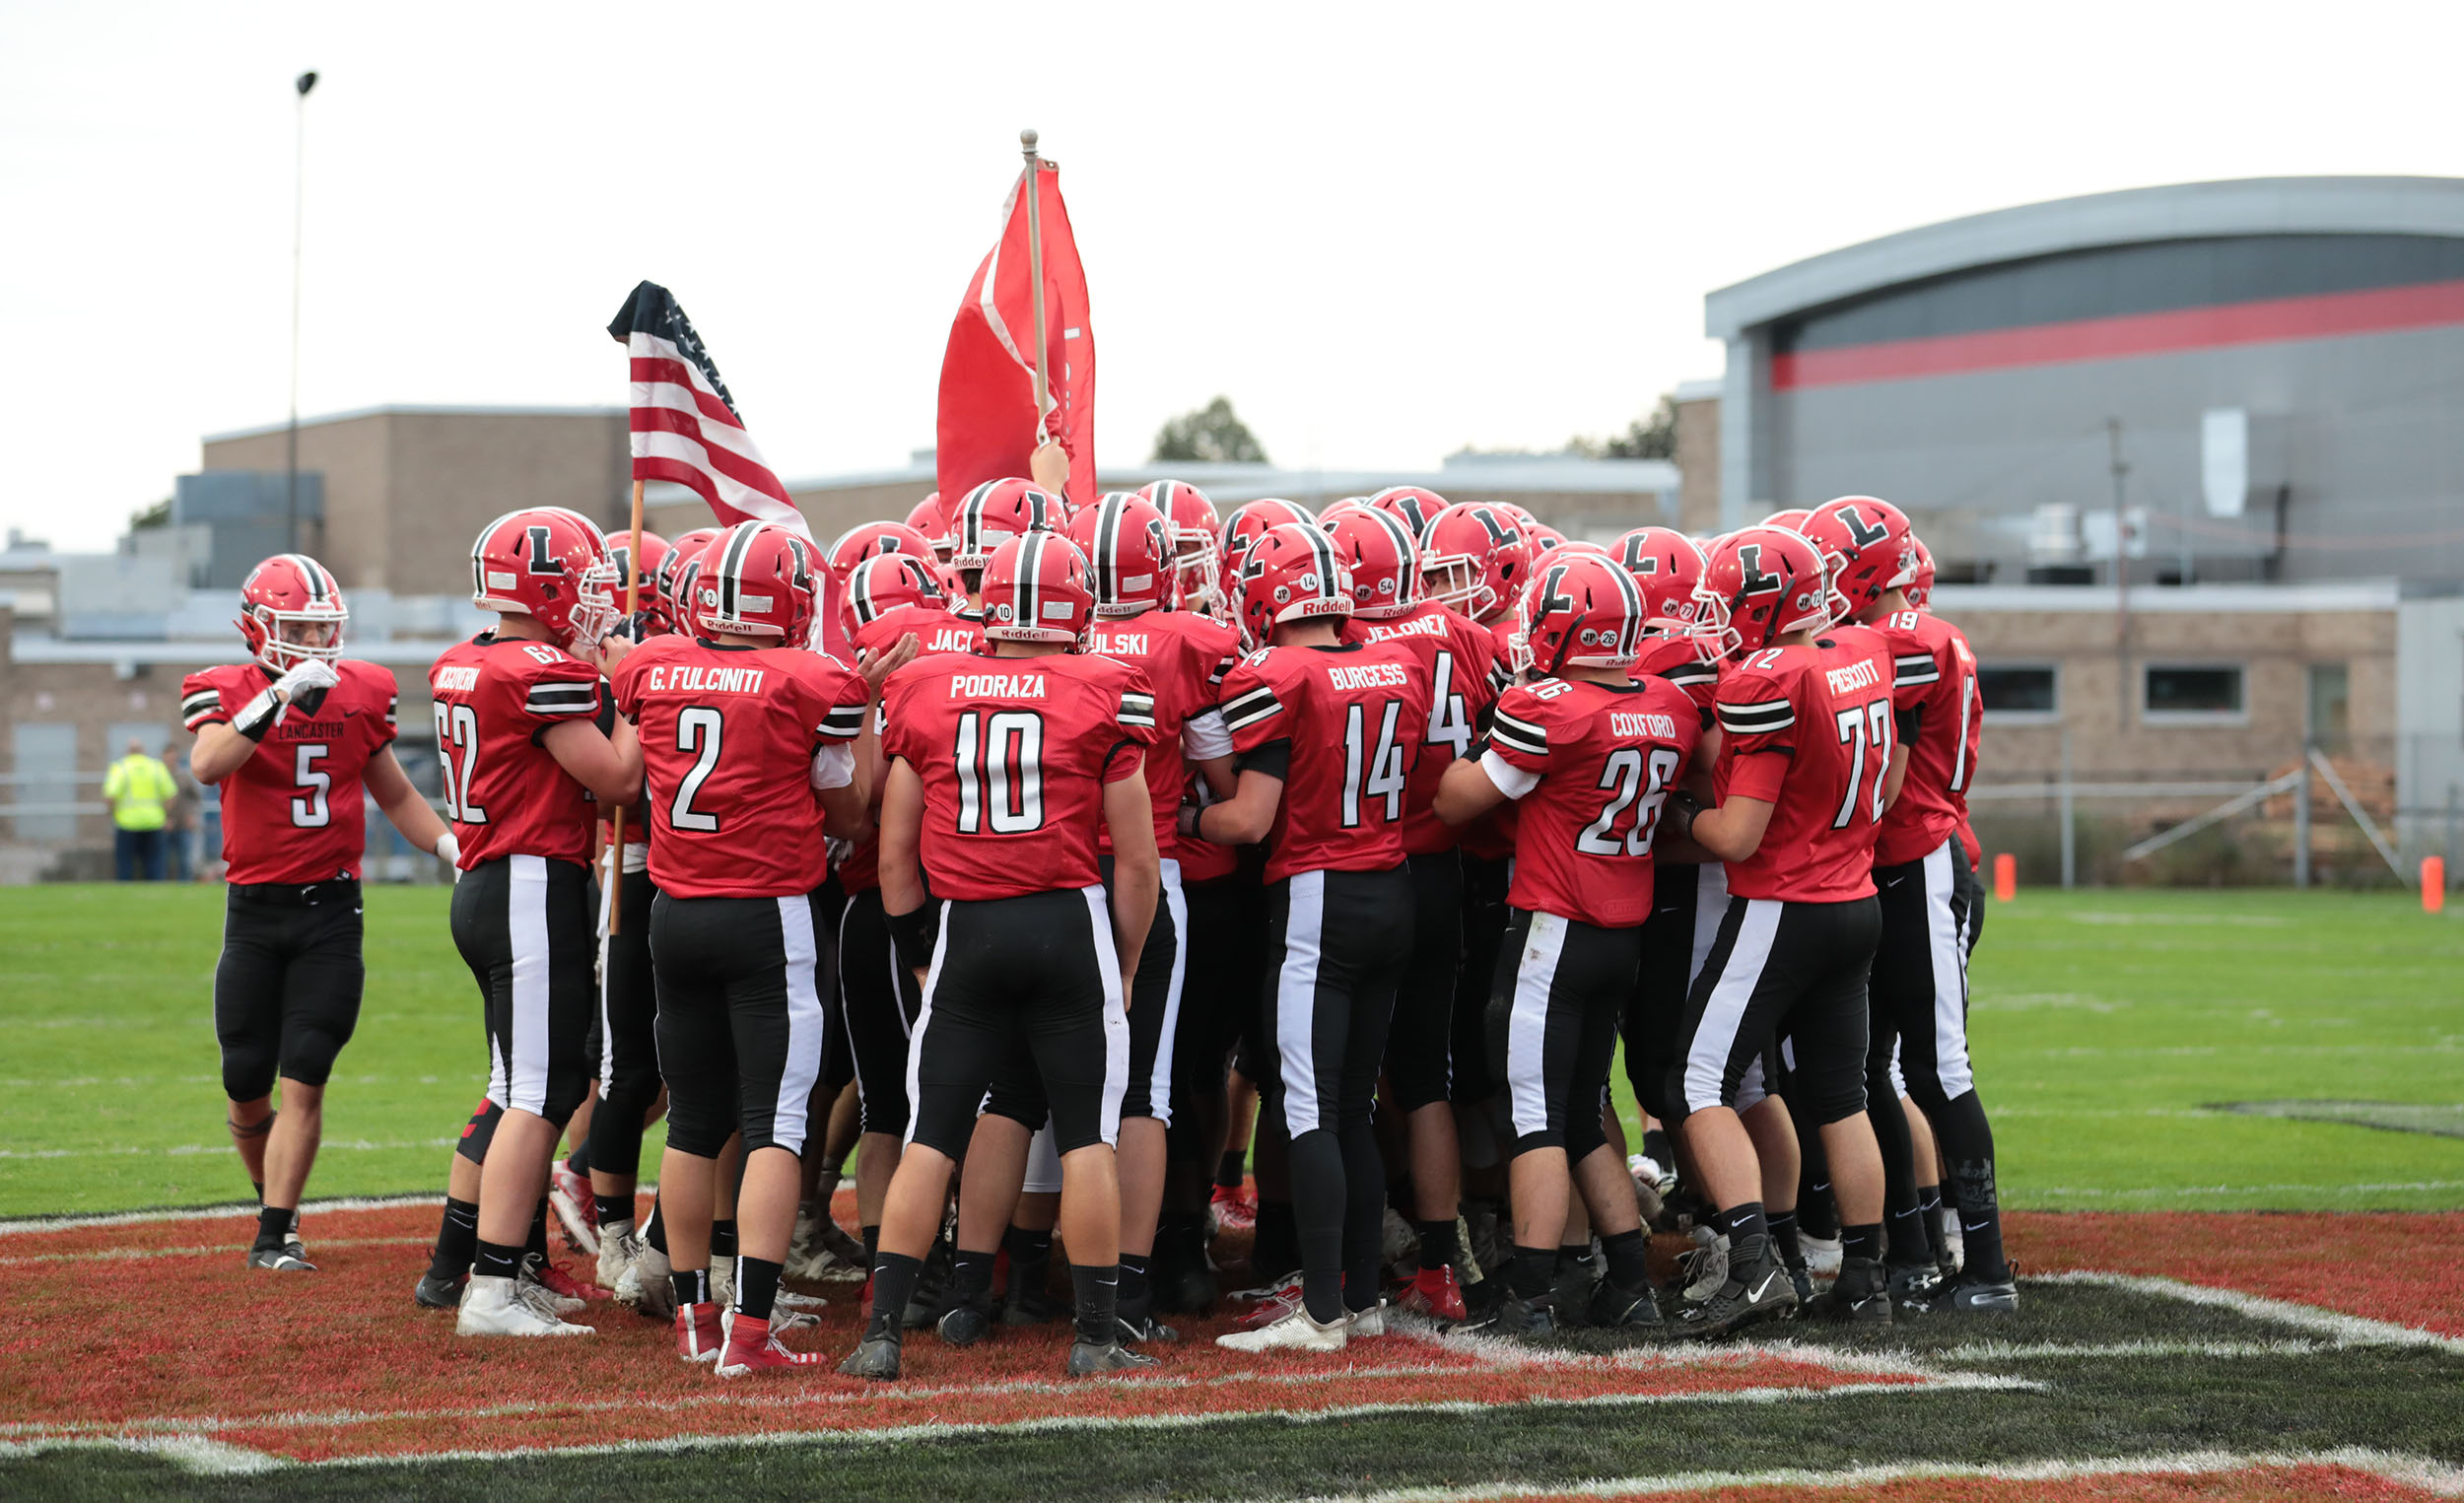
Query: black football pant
x,y
741,1019
1477,1077
1779,967
525,928
1561,985
878,1000
1219,996
628,1034
1687,905
287,989
1419,1041
1339,942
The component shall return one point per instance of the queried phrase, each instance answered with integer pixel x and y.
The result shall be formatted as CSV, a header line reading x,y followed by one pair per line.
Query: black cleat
x,y
1972,1294
877,1357
1861,1295
1087,1360
1914,1287
1756,1291
290,1258
440,1293
1571,1295
1142,1331
967,1322
1518,1316
1615,1309
1031,1307
1802,1277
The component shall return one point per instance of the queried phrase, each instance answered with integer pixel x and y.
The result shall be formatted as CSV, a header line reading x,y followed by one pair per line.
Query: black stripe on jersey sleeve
x,y
844,723
393,709
1500,677
1215,675
202,700
1519,736
1249,709
1758,720
1138,711
562,699
1690,673
1915,668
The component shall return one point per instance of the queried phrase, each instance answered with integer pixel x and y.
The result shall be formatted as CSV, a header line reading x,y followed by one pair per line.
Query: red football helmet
x,y
1475,556
1193,522
548,564
1793,519
1582,611
291,610
1036,589
1243,527
882,583
1666,565
1378,551
1293,572
998,510
1546,537
622,550
1867,548
1759,584
953,585
1921,586
1411,506
1128,552
868,539
927,518
757,579
666,594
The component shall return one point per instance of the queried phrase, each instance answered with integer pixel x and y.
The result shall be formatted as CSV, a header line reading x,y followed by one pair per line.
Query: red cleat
x,y
576,1210
751,1348
1273,1305
699,1333
561,1282
1234,1211
1434,1293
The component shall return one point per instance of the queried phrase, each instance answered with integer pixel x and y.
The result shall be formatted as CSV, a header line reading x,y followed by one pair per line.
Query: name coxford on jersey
x,y
1596,764
294,813
1013,753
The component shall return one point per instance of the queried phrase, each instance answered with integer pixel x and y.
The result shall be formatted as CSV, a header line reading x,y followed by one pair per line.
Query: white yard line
x,y
2352,1328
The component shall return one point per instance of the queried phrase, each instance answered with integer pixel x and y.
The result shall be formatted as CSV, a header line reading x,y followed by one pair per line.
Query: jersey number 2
x,y
698,729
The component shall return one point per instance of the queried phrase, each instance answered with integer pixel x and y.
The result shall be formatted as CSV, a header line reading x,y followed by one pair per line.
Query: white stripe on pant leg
x,y
527,920
1753,1087
923,1016
846,1004
1898,1075
1526,1025
1707,1055
1043,1172
607,1028
1296,1001
1710,903
802,1066
1116,1014
1177,905
1950,976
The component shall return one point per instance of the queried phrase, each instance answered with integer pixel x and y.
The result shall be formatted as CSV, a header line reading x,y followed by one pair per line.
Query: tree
x,y
1212,434
1646,437
157,515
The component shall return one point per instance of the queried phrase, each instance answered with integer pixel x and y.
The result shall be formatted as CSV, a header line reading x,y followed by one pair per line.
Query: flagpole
x,y
1035,273
616,821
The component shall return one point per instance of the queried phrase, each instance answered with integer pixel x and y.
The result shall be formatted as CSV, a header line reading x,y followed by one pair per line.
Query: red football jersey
x,y
729,735
1183,658
1352,718
1589,766
503,792
1809,728
1674,658
1459,660
1015,753
935,631
1941,721
1491,837
294,812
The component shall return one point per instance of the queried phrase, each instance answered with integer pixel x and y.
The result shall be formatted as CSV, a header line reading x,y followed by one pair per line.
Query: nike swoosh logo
x,y
1767,1280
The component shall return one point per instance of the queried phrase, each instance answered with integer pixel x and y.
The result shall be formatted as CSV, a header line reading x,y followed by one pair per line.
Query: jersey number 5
x,y
311,811
1000,772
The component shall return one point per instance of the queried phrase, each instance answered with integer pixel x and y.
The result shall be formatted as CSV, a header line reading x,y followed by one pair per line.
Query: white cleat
x,y
1822,1256
1297,1332
576,1210
493,1307
821,1265
1952,1242
1367,1322
645,1287
722,1282
617,1252
1706,1268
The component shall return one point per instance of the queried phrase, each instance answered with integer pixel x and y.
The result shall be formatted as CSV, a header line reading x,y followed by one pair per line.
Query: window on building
x,y
2329,722
2020,691
46,760
2191,693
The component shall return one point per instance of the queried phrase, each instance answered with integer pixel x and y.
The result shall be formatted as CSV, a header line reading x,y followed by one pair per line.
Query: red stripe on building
x,y
2327,315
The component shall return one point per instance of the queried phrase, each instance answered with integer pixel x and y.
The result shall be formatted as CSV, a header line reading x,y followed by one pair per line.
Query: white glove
x,y
311,673
448,849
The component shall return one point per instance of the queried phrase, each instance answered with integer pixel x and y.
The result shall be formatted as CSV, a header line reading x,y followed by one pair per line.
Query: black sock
x,y
495,1259
1629,1259
757,1286
1532,1272
1136,1296
1570,1254
971,1275
578,1161
1230,1168
1658,1148
1099,1293
538,1241
1745,1220
260,1191
1818,1213
1437,1242
1864,1242
1784,1237
457,1240
273,1226
894,1276
614,1208
1911,1238
1929,1198
692,1286
1030,1260
1275,1250
722,1238
873,1246
656,1232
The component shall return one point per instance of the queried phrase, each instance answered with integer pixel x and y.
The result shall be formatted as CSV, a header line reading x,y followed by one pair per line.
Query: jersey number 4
x,y
1622,776
1000,772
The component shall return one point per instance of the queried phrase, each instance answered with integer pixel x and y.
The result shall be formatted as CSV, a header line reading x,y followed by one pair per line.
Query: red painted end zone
x,y
2252,1484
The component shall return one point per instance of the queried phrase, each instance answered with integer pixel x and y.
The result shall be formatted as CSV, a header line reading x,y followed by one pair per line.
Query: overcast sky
x,y
1384,232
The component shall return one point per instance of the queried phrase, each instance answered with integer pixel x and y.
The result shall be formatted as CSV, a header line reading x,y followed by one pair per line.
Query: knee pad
x,y
248,1071
310,1058
480,1131
700,1127
1043,1177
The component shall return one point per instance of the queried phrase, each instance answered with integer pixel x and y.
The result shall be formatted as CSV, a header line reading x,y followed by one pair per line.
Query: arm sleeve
x,y
834,766
1512,781
1518,733
843,721
1205,737
201,704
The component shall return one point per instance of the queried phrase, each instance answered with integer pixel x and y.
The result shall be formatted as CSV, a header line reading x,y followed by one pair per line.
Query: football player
x,y
293,737
749,747
1458,659
523,753
1328,732
1590,753
1925,878
1000,767
990,515
1807,764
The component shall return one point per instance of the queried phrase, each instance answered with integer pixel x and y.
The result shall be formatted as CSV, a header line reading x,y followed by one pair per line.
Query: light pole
x,y
299,177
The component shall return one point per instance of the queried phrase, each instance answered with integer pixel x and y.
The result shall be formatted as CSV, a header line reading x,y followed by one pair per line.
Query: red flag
x,y
987,427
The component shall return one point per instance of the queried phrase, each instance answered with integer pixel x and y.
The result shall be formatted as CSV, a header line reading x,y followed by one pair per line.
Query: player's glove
x,y
449,848
303,687
1677,814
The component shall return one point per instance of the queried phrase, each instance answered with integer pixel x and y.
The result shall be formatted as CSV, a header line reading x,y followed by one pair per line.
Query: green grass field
x,y
2107,1024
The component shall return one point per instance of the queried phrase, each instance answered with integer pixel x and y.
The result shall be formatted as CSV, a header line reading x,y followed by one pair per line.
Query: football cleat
x,y
290,1258
1433,1292
1969,1294
618,1253
700,1333
1232,1210
1860,1296
1914,1287
1571,1292
438,1293
876,1357
1516,1316
494,1306
1706,1267
1822,1255
789,1299
967,1322
1087,1360
1615,1309
1030,1307
1367,1322
1949,1242
722,1280
1144,1330
644,1286
1274,1303
752,1346
1802,1277
560,1282
576,1210
1485,1235
1397,1242
1294,1332
1753,1293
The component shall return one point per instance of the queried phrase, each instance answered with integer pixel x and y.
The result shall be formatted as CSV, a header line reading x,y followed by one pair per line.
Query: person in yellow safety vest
x,y
139,790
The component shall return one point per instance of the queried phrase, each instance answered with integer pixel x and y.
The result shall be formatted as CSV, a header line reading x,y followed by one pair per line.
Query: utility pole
x,y
298,179
2121,581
